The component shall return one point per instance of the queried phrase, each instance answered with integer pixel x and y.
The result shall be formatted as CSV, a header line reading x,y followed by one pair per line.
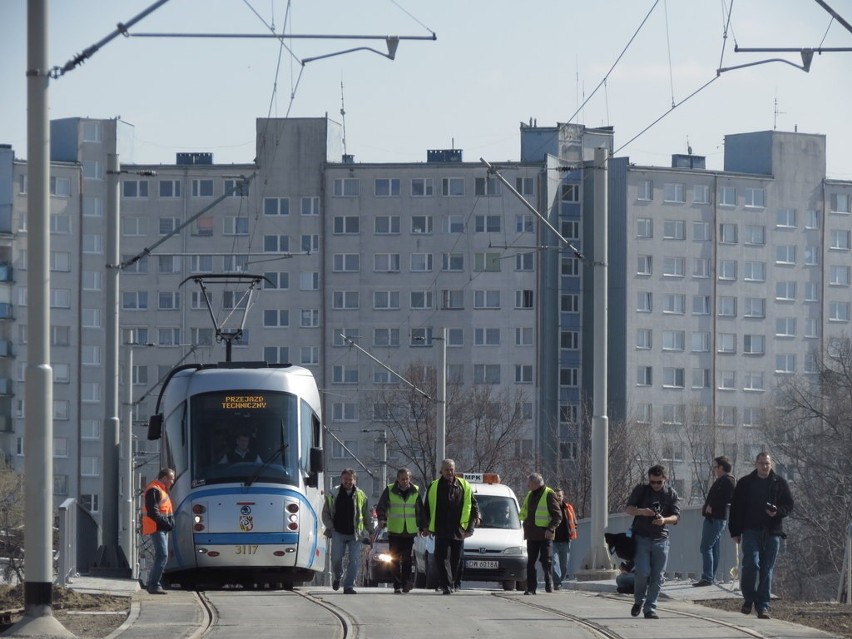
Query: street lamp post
x,y
383,440
128,511
441,416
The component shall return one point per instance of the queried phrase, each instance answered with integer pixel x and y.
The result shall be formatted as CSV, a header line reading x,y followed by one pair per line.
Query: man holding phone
x,y
761,501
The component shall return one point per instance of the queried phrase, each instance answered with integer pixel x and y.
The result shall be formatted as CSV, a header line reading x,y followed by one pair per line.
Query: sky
x,y
493,65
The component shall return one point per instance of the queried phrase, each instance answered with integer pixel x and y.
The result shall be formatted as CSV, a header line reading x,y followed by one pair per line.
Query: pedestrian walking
x,y
653,506
760,503
400,509
565,533
347,521
540,514
449,513
715,513
157,522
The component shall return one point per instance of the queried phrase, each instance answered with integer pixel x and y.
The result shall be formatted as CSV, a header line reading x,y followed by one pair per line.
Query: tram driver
x,y
241,452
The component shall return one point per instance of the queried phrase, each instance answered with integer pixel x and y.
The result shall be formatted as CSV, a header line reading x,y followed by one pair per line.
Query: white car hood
x,y
494,539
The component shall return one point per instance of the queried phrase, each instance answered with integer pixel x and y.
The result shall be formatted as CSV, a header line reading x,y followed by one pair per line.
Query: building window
x,y
755,198
727,270
700,378
754,344
754,235
452,300
674,303
346,262
838,312
524,299
235,225
421,262
644,227
673,192
168,301
644,302
488,223
386,225
728,233
568,340
569,377
570,192
838,240
727,196
486,373
452,187
752,381
486,299
386,337
727,380
347,187
347,225
276,318
785,291
344,300
701,342
726,343
673,340
643,339
673,377
310,206
202,188
754,271
727,306
421,224
644,375
487,187
386,300
701,194
309,318
785,327
386,187
645,190
754,307
673,266
525,185
421,187
276,206
674,230
344,374
785,218
701,231
421,300
644,265
386,263
785,363
169,188
838,275
309,281
785,254
523,373
134,188
701,267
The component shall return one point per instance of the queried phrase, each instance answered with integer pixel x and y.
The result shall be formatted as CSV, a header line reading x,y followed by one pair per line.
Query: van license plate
x,y
479,564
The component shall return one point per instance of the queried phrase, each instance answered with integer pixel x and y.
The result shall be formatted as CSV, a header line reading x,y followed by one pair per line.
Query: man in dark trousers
x,y
400,509
715,513
157,522
653,507
541,513
761,501
566,531
449,513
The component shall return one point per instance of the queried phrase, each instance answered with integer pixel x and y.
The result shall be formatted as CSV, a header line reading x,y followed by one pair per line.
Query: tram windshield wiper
x,y
265,465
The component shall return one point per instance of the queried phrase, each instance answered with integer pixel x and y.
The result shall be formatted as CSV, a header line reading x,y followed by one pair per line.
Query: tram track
x,y
209,613
349,628
607,633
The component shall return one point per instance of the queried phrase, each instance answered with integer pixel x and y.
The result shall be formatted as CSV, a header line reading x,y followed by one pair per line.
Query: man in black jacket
x,y
761,501
715,513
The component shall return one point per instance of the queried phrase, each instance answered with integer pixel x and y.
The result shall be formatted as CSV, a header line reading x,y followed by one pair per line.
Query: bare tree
x,y
483,426
12,523
810,435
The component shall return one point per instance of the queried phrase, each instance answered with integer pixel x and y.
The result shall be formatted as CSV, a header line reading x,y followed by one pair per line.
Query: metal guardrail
x,y
67,542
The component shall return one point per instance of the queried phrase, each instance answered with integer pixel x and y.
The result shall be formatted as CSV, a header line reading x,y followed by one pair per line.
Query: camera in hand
x,y
771,507
657,508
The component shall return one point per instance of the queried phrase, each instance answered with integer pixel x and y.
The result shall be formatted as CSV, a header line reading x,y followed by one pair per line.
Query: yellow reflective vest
x,y
467,503
542,515
402,511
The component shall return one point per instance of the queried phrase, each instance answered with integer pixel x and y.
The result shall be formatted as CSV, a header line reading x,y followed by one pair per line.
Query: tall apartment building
x,y
726,284
719,282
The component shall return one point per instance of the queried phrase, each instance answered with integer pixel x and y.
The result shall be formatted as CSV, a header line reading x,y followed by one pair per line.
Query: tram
x,y
244,440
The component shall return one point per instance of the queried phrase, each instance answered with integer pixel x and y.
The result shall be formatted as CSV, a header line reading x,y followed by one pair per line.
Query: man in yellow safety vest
x,y
540,514
400,509
452,514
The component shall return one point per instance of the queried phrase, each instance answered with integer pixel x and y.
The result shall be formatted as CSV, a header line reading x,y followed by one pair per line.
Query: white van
x,y
495,552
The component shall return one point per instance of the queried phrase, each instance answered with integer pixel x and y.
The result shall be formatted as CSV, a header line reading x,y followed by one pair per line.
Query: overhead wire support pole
x,y
147,250
493,171
121,29
386,367
835,15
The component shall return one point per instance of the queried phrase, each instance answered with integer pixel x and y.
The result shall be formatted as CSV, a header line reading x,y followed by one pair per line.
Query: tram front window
x,y
245,436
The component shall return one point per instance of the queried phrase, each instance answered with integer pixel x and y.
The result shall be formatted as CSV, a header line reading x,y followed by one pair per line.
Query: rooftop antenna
x,y
776,113
343,116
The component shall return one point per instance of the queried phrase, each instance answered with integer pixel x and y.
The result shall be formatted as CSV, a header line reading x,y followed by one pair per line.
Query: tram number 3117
x,y
245,549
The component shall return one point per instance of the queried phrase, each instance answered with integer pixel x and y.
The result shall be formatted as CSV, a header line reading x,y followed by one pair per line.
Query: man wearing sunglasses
x,y
653,507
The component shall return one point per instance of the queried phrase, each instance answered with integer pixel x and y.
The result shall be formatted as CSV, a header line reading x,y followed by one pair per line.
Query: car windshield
x,y
497,512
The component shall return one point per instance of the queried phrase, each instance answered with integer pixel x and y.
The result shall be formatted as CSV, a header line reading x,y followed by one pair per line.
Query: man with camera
x,y
653,507
761,501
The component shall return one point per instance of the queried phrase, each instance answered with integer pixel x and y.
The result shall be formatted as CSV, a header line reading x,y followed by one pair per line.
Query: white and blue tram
x,y
250,520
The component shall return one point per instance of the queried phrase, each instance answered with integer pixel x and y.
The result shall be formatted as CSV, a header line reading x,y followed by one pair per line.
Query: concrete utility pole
x,y
38,618
441,412
111,560
597,564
